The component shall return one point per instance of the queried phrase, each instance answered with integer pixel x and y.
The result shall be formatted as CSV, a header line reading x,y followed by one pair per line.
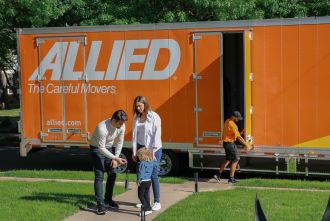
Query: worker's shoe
x,y
217,177
101,210
232,180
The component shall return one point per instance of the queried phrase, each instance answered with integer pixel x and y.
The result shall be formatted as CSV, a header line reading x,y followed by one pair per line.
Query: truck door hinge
x,y
196,76
86,135
197,109
251,77
250,36
39,42
40,78
196,37
82,40
42,134
84,78
251,110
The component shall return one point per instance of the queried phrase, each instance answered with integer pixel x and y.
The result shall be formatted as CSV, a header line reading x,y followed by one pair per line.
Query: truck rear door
x,y
222,74
207,76
61,77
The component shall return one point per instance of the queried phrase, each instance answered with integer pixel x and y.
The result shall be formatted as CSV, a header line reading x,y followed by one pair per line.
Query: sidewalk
x,y
170,194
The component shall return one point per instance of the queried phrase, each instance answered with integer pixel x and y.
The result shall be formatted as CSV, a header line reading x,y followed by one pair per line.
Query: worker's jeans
x,y
101,165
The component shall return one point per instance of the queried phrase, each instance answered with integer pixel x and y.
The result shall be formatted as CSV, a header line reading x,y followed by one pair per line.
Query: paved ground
x,y
170,194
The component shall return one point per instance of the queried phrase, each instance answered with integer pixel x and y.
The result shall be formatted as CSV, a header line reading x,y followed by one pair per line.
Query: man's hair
x,y
119,115
144,154
141,99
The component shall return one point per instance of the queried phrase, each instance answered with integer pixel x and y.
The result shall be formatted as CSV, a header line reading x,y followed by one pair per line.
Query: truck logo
x,y
62,56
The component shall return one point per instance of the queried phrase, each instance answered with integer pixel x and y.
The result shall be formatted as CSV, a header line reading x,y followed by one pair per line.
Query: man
x,y
105,155
229,136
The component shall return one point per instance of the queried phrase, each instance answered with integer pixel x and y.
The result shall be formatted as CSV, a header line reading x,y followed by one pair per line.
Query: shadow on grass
x,y
79,200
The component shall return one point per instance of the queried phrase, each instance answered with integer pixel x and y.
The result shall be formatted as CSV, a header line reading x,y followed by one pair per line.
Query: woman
x,y
147,133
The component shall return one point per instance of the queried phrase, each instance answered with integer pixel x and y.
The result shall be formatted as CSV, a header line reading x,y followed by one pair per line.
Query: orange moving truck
x,y
275,72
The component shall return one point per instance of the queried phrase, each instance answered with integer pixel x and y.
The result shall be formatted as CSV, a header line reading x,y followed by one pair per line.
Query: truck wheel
x,y
169,164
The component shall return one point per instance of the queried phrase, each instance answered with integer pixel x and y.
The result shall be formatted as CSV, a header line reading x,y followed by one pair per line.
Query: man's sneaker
x,y
233,180
157,206
146,213
101,210
138,205
217,177
111,204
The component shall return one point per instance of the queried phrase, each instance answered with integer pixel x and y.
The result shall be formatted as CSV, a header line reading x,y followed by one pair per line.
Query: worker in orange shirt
x,y
229,136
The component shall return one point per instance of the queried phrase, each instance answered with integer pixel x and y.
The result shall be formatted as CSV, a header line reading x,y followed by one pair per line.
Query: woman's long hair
x,y
141,99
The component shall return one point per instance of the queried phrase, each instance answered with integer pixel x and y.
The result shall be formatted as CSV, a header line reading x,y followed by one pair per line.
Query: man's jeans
x,y
154,175
101,165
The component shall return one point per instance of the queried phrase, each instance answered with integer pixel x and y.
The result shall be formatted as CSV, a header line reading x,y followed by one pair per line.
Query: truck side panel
x,y
289,90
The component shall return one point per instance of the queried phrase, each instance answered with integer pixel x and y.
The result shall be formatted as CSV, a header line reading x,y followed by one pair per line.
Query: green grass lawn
x,y
281,183
77,175
44,200
238,205
10,112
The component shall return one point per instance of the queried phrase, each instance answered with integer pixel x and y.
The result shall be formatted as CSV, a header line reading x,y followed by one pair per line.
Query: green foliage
x,y
283,183
283,8
238,204
318,8
227,10
48,13
45,200
10,112
23,13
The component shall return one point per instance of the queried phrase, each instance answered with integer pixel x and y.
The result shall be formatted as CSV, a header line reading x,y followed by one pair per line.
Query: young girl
x,y
145,167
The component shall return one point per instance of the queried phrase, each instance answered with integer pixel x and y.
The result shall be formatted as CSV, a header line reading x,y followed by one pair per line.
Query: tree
x,y
317,7
282,8
18,14
48,13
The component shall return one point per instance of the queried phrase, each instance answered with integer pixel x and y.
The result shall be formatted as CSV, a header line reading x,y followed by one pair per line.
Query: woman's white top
x,y
141,133
152,135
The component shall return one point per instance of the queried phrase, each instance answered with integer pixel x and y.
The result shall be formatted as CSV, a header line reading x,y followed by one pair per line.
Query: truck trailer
x,y
275,72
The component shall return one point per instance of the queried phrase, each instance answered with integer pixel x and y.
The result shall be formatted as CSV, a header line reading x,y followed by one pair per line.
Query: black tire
x,y
130,164
170,164
127,155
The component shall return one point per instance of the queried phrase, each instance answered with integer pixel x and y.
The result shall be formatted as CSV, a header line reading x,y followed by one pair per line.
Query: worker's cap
x,y
237,114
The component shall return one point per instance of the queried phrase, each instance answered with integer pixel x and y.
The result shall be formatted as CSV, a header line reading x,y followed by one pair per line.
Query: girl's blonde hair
x,y
144,154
